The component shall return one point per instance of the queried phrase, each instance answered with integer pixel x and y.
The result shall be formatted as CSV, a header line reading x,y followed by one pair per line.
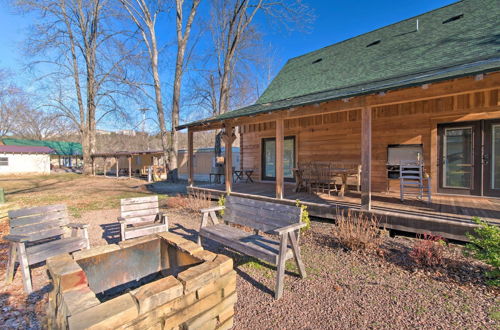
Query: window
x,y
4,161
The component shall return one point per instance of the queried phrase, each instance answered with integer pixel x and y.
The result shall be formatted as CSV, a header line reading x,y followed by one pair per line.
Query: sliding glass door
x,y
269,158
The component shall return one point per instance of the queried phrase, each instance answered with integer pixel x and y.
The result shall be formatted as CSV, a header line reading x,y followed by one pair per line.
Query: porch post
x,y
279,158
129,167
228,137
366,157
190,158
116,165
241,147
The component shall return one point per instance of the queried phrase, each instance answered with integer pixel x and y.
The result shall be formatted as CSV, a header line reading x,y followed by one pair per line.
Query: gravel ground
x,y
343,289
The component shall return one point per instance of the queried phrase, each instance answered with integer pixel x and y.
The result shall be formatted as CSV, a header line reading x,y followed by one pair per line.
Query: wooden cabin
x,y
427,86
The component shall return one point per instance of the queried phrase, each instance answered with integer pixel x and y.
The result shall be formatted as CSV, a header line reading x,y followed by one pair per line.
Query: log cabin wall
x,y
335,136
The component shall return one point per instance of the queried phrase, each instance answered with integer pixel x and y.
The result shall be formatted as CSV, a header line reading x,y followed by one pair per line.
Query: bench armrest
x,y
77,225
121,220
290,228
163,218
211,209
16,238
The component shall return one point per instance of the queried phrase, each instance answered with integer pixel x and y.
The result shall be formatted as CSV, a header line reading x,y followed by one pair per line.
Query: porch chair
x,y
414,181
38,233
141,216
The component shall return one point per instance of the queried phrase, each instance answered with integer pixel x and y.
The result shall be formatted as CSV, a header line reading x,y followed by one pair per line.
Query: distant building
x,y
129,132
24,159
65,154
203,161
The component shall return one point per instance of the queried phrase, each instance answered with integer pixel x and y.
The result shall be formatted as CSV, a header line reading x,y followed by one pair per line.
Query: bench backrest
x,y
139,210
40,222
260,215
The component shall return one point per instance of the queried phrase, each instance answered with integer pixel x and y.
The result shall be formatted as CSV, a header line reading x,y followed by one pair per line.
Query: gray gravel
x,y
343,289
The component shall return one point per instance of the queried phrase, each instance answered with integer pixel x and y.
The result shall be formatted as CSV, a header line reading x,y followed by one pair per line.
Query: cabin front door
x,y
469,158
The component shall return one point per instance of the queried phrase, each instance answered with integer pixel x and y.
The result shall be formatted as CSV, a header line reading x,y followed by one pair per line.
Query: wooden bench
x,y
141,216
39,233
271,218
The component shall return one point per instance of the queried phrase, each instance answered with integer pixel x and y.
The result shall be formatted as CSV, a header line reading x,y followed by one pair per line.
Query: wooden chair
x,y
271,218
141,216
39,233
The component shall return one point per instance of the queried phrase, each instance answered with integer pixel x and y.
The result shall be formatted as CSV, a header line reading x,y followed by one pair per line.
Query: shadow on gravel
x,y
23,318
186,233
111,232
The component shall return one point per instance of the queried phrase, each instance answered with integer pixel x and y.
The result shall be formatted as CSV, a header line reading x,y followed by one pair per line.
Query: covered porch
x,y
447,215
442,122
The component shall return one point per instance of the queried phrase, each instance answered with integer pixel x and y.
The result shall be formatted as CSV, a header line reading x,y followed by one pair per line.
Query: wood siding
x,y
336,136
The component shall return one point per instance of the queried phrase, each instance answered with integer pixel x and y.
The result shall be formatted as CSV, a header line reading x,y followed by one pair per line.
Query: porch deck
x,y
448,215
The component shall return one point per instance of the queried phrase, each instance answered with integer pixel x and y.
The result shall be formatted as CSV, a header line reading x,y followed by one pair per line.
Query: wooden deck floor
x,y
448,215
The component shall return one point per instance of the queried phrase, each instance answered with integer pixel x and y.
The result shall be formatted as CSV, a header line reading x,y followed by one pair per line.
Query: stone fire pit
x,y
157,281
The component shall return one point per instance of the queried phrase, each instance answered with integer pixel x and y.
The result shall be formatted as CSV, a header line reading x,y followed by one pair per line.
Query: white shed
x,y
24,159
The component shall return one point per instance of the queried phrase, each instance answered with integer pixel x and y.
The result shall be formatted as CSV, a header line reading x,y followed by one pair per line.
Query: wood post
x,y
241,148
366,157
93,165
190,158
116,165
279,158
228,137
105,166
129,167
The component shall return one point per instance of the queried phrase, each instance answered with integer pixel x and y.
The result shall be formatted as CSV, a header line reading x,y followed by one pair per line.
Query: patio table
x,y
344,173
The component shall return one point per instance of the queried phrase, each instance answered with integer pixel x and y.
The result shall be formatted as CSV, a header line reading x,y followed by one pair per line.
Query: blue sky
x,y
335,21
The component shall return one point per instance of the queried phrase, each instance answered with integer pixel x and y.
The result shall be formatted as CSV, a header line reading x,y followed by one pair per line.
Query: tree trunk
x,y
158,99
182,39
175,112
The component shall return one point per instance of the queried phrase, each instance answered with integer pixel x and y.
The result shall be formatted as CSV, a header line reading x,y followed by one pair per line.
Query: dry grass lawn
x,y
80,193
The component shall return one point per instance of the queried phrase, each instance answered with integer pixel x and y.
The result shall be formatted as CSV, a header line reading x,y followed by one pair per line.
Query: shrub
x,y
428,250
357,231
485,246
304,217
221,202
191,202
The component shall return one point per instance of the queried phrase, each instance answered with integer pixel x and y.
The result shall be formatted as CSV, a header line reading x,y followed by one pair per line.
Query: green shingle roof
x,y
457,40
61,148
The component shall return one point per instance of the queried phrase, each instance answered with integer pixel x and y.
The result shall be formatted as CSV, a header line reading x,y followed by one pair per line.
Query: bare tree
x,y
41,125
183,31
78,47
11,104
144,14
233,36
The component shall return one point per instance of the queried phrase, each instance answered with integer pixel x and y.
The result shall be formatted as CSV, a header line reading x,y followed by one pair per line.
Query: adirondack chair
x,y
271,218
141,216
38,233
